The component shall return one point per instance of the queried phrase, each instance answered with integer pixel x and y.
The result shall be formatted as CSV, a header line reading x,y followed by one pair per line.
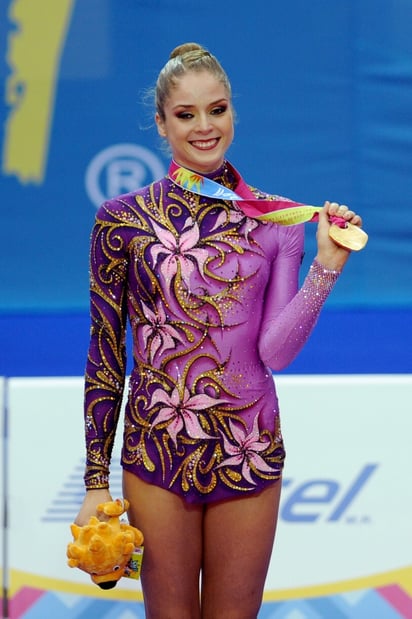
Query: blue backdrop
x,y
323,95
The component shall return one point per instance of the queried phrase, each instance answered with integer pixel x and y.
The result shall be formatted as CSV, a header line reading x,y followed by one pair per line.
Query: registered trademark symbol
x,y
121,168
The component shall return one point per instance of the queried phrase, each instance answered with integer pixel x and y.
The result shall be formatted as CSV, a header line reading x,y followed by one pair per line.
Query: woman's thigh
x,y
238,541
172,549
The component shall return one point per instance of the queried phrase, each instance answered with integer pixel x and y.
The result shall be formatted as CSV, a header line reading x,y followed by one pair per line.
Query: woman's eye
x,y
219,110
184,115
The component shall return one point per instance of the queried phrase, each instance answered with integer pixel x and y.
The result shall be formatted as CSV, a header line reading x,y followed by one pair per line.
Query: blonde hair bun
x,y
180,50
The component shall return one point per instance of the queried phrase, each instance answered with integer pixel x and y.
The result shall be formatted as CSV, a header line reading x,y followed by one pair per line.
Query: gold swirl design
x,y
181,412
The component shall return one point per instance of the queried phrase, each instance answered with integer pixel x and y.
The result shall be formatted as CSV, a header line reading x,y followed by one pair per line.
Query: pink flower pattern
x,y
181,252
237,217
246,450
181,411
159,335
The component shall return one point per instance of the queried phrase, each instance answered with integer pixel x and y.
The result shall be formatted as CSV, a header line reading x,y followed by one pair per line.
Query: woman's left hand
x,y
331,255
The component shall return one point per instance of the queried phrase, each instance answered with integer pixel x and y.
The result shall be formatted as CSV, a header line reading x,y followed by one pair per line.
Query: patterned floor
x,y
385,603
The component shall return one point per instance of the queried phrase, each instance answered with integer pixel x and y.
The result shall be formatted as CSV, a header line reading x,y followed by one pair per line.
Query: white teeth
x,y
203,144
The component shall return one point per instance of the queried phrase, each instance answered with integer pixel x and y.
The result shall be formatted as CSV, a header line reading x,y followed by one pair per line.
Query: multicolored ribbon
x,y
280,210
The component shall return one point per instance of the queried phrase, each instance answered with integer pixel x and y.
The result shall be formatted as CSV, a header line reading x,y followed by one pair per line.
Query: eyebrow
x,y
189,105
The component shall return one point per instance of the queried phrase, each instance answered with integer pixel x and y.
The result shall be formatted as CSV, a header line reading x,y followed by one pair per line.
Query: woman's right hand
x,y
90,503
330,254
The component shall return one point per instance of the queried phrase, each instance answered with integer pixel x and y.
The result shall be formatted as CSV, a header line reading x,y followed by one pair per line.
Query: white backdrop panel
x,y
347,500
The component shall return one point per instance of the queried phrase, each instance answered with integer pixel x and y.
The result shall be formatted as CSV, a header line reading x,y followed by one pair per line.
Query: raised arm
x,y
290,315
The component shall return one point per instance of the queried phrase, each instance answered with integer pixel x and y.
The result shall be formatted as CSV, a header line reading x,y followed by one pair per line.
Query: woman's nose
x,y
203,123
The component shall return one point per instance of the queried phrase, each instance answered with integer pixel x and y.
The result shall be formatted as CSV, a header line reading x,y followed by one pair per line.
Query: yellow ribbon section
x,y
188,179
291,216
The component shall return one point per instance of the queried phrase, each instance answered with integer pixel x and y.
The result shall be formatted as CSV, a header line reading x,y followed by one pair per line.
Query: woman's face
x,y
198,122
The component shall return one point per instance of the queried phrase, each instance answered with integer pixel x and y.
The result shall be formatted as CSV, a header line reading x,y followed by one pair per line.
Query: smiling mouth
x,y
205,144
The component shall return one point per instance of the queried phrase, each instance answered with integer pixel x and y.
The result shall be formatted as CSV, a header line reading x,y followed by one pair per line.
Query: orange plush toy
x,y
105,548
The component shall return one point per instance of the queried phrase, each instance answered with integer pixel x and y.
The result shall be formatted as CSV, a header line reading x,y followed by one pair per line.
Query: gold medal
x,y
351,237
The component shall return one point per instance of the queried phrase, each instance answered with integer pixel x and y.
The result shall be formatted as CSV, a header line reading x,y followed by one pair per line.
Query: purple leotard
x,y
212,300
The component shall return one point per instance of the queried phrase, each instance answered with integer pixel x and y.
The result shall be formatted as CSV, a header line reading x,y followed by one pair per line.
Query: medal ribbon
x,y
280,210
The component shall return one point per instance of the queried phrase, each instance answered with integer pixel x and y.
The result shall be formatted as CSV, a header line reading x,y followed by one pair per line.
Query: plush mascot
x,y
106,549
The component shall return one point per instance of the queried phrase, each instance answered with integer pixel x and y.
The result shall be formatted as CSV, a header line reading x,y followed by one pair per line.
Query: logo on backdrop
x,y
31,100
119,169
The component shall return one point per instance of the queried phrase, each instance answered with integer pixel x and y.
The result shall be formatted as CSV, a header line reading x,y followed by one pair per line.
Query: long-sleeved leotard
x,y
213,303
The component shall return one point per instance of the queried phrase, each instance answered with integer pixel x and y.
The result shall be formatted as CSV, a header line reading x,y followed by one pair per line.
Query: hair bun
x,y
185,48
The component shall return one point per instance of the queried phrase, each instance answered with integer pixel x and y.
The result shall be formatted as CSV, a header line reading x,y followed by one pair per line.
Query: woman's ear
x,y
160,125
